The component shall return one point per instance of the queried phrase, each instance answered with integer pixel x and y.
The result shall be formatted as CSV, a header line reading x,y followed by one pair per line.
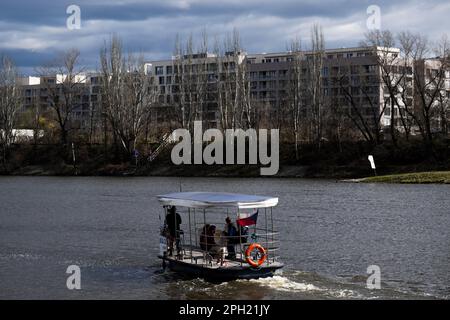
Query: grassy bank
x,y
419,177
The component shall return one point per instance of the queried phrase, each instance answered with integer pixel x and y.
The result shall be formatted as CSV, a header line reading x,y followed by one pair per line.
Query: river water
x,y
331,233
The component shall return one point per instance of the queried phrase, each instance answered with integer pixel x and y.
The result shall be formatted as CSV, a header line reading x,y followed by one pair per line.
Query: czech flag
x,y
247,219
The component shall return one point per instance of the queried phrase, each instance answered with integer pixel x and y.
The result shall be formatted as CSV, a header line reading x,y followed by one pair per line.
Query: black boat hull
x,y
221,274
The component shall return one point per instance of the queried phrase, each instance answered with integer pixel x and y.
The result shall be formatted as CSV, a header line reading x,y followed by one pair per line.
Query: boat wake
x,y
284,284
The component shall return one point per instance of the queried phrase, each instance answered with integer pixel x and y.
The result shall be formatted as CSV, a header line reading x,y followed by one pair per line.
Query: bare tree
x,y
407,43
186,83
295,94
202,80
33,117
227,85
127,94
64,81
393,74
429,77
359,87
233,94
10,102
233,85
314,80
442,51
246,112
427,88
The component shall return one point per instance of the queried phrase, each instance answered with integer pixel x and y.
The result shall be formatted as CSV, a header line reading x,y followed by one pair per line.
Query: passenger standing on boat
x,y
231,233
203,236
173,222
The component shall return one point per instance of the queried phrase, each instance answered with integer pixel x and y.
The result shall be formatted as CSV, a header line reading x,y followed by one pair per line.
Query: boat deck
x,y
202,259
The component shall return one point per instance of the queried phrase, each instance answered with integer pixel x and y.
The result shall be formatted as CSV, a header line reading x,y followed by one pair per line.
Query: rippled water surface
x,y
331,233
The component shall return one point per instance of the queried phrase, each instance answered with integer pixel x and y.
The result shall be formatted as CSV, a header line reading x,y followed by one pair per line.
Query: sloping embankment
x,y
441,177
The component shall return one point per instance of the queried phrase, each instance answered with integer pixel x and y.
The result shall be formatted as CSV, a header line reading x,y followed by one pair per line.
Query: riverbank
x,y
349,162
441,177
338,173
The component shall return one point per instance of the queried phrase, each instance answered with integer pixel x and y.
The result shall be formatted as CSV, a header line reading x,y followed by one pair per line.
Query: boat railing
x,y
193,251
195,222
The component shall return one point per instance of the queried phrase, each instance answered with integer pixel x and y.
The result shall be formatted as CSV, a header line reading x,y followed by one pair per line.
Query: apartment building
x,y
351,80
269,75
39,91
198,76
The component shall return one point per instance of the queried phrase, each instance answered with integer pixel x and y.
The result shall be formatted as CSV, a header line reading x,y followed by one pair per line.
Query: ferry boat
x,y
219,236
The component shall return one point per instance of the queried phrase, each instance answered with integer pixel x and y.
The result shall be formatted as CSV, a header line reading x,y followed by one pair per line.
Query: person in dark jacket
x,y
173,222
232,234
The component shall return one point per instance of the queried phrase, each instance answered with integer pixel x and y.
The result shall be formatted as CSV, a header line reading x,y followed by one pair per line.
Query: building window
x,y
159,70
372,68
355,90
169,70
161,80
212,78
212,67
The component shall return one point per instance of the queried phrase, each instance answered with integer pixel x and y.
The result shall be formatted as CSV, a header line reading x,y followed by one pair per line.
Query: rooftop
x,y
217,199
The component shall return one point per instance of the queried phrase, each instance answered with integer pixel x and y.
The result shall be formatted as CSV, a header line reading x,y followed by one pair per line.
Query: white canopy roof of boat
x,y
216,199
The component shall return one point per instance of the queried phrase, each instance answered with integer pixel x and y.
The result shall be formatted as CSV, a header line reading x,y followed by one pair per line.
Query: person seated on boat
x,y
173,222
217,244
208,243
232,238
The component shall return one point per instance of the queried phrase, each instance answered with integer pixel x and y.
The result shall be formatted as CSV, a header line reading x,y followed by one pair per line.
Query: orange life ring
x,y
249,250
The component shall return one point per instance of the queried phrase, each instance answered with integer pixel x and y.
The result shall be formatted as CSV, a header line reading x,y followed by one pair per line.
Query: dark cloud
x,y
31,32
54,12
28,59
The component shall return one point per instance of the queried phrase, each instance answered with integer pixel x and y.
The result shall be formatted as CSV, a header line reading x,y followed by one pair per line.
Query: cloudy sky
x,y
31,32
